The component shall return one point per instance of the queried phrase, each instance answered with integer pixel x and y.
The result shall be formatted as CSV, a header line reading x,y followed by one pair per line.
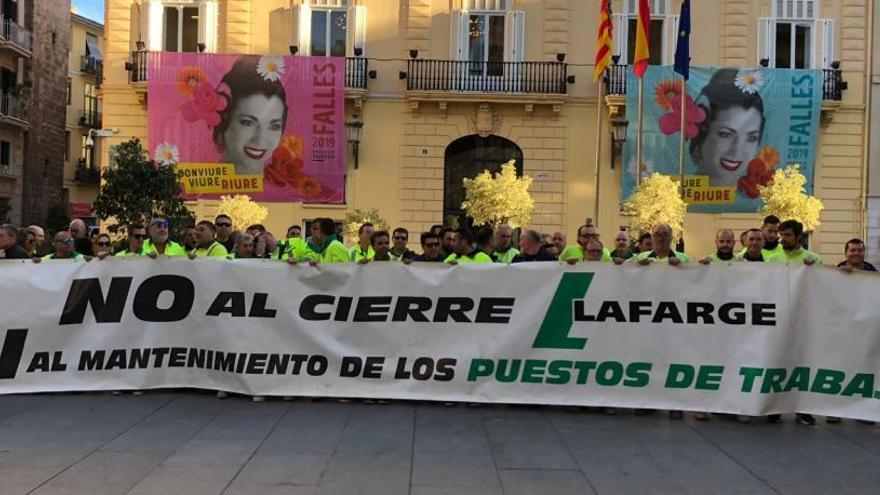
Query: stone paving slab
x,y
183,443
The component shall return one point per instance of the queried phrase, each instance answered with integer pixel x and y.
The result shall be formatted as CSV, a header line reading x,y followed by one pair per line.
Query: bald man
x,y
724,241
80,234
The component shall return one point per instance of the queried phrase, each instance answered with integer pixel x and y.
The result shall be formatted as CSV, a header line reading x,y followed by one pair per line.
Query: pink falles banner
x,y
268,126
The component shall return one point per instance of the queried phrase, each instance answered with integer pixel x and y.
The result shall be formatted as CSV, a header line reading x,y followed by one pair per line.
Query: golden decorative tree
x,y
243,210
656,200
786,198
353,221
502,198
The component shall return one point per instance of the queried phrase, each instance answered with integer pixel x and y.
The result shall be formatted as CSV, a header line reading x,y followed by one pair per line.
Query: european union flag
x,y
682,47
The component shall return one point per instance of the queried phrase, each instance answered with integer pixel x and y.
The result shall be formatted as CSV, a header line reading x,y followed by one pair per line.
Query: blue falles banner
x,y
741,125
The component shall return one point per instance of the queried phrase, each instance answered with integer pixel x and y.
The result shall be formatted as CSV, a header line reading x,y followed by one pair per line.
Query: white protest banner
x,y
740,339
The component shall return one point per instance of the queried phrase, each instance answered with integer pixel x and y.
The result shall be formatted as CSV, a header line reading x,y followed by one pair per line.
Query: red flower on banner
x,y
670,123
284,168
206,105
759,172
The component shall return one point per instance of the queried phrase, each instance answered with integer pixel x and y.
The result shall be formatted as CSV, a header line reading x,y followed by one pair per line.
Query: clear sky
x,y
93,9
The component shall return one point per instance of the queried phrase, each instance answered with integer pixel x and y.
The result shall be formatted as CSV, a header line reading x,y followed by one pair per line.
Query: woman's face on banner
x,y
255,127
732,142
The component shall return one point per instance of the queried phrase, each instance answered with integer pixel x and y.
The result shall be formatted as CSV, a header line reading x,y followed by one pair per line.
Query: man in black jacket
x,y
531,249
9,244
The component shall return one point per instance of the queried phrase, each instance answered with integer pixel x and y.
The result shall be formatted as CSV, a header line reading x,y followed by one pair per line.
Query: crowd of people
x,y
774,242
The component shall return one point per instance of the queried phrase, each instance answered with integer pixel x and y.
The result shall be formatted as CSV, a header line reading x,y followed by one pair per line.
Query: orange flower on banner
x,y
188,78
770,156
310,187
759,172
294,144
668,92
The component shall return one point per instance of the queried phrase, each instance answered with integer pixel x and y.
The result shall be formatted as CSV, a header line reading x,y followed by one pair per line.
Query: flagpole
x,y
681,139
599,105
639,133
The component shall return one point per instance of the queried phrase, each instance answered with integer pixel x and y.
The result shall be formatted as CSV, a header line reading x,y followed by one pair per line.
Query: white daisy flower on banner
x,y
166,154
646,169
749,81
271,67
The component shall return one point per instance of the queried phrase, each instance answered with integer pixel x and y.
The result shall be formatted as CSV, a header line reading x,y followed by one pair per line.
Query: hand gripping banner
x,y
737,339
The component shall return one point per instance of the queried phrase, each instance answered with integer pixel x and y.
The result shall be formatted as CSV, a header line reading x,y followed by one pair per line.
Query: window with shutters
x,y
178,25
329,28
795,37
662,32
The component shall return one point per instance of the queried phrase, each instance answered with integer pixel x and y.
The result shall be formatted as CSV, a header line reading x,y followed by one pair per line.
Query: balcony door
x,y
467,157
484,43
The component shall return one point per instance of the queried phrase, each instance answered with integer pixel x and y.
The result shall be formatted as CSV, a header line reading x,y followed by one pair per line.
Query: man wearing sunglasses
x,y
223,224
158,243
63,244
432,251
9,244
136,235
400,237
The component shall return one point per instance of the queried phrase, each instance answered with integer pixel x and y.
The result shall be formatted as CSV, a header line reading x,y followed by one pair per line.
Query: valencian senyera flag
x,y
603,41
683,45
643,50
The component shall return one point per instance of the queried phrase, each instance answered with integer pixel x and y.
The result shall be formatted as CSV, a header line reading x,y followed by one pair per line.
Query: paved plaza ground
x,y
185,443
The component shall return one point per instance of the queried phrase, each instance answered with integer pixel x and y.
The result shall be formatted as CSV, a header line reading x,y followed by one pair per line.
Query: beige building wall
x,y
563,138
873,236
78,122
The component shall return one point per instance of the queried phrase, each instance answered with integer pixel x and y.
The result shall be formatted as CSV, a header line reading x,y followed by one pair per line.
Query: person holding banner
x,y
661,235
730,135
431,250
724,241
158,243
63,243
854,250
244,248
253,121
790,232
754,252
465,250
504,250
225,235
324,247
363,250
381,244
575,253
531,248
136,234
207,245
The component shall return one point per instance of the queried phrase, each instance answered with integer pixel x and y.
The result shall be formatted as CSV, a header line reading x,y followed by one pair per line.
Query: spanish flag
x,y
603,42
643,30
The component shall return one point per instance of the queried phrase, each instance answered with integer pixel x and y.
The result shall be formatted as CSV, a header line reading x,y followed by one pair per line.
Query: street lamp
x,y
618,127
353,130
97,133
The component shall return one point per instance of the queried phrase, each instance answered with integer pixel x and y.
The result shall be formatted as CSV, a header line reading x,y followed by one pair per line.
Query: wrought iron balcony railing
x,y
14,106
91,119
487,77
16,33
833,84
355,70
91,65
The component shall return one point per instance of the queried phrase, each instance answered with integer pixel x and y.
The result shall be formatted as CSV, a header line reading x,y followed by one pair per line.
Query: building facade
x,y
16,51
447,88
873,220
85,70
42,189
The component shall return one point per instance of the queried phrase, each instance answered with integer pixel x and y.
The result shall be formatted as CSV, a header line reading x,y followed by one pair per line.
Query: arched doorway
x,y
467,157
